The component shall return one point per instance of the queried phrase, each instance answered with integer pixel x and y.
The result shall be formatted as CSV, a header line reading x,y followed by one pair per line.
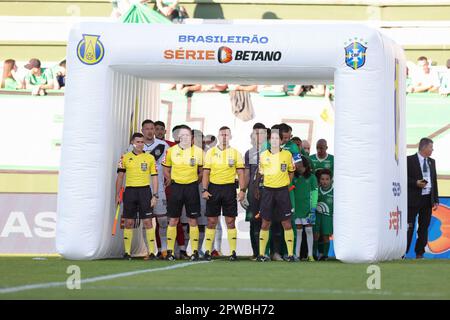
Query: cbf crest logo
x,y
90,49
355,53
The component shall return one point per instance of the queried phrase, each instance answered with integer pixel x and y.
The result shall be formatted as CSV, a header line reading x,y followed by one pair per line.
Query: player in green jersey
x,y
323,228
304,202
322,159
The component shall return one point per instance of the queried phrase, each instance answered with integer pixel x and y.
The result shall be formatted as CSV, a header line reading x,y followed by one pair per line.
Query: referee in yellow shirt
x,y
182,170
222,162
136,167
277,170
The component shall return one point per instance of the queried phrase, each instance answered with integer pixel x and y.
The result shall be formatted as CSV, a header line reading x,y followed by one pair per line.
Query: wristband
x,y
243,189
156,195
205,190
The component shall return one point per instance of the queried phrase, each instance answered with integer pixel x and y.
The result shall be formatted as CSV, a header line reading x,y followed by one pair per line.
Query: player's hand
x,y
117,199
167,182
421,184
241,196
153,202
206,195
435,206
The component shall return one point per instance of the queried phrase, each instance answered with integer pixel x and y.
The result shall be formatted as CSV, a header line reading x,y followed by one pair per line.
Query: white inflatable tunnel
x,y
112,67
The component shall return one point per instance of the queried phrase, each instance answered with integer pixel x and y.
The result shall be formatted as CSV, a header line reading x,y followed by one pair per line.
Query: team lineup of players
x,y
190,183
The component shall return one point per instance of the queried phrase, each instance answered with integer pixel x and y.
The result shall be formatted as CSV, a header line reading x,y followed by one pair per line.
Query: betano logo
x,y
224,55
90,49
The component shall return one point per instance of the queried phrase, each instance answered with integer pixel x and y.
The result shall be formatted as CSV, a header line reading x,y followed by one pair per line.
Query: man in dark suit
x,y
422,193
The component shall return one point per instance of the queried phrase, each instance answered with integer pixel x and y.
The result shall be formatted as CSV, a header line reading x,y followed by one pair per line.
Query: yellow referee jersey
x,y
276,168
184,163
138,168
223,164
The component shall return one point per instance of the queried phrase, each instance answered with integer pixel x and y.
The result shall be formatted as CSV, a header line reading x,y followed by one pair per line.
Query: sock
x,y
298,245
127,239
309,240
171,236
232,239
218,237
326,247
162,221
209,237
150,233
194,236
289,239
263,239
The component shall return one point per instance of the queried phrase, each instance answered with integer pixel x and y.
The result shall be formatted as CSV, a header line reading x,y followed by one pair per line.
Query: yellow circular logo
x,y
90,49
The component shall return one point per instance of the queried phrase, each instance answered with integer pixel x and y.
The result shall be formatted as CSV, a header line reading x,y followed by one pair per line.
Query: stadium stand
x,y
421,27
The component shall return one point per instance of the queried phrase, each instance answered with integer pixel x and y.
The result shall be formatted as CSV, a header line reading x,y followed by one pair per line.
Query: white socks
x,y
298,245
310,240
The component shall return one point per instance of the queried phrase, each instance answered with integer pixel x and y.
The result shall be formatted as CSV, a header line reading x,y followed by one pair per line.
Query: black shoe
x,y
195,256
159,256
184,255
207,256
233,256
290,259
323,258
126,256
170,256
262,259
151,256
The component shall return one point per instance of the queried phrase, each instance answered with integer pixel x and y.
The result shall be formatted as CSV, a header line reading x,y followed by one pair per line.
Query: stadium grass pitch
x,y
25,278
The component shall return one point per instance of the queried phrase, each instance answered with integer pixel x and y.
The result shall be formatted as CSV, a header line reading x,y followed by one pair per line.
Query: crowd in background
x,y
33,76
421,77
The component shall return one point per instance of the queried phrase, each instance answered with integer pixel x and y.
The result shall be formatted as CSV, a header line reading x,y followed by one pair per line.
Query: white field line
x,y
275,290
95,279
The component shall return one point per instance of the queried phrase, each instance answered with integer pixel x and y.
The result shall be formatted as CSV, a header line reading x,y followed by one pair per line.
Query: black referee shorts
x,y
223,199
137,200
186,195
275,204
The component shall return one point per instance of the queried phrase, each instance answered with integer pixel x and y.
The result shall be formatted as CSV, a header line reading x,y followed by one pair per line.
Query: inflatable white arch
x,y
110,69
